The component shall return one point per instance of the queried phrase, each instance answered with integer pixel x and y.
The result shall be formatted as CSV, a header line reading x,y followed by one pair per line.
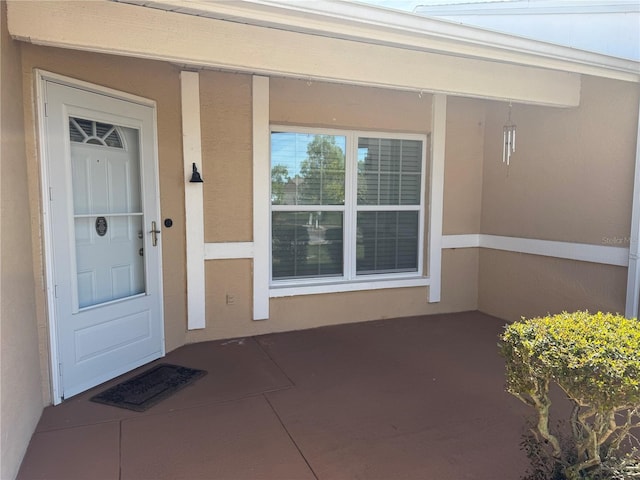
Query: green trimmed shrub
x,y
595,360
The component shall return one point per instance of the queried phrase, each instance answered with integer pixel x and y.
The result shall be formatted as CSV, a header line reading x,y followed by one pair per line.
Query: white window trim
x,y
338,287
350,280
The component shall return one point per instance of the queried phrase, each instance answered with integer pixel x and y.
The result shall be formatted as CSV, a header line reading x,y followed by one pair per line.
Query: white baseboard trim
x,y
471,240
582,252
228,250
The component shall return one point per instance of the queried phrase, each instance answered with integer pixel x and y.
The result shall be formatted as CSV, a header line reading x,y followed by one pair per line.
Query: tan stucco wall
x,y
515,285
21,399
226,123
464,152
153,80
317,104
571,179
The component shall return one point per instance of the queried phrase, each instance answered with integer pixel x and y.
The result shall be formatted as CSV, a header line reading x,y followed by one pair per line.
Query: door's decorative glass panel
x,y
107,184
95,133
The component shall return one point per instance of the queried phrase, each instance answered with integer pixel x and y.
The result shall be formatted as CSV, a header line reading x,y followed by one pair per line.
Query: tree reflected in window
x,y
307,170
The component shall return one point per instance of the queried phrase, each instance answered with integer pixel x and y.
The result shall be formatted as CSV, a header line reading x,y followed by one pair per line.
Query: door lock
x,y
141,252
154,234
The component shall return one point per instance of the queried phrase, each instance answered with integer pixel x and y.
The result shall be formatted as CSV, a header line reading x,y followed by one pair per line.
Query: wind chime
x,y
509,139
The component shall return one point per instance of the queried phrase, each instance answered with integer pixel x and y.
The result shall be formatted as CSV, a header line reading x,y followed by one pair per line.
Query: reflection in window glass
x,y
306,244
390,171
387,242
307,169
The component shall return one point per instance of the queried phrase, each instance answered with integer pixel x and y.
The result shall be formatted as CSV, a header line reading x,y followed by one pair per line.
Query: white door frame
x,y
41,77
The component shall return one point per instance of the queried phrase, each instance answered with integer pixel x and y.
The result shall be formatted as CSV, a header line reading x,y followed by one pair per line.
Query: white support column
x,y
438,136
261,189
633,275
193,199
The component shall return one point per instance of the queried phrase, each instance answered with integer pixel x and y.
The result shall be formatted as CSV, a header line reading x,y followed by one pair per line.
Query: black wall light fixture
x,y
195,176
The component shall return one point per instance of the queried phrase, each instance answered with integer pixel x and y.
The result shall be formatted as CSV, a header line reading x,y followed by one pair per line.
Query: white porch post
x,y
438,137
193,199
633,275
261,189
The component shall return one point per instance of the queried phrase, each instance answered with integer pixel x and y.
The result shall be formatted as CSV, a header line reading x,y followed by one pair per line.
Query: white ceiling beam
x,y
354,21
195,41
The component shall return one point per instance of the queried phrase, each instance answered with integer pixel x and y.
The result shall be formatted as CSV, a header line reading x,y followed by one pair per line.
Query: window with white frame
x,y
346,206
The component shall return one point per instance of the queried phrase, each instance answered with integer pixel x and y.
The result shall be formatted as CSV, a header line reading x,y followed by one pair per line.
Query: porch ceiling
x,y
374,54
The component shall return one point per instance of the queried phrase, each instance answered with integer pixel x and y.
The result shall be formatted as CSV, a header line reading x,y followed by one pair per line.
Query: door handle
x,y
154,234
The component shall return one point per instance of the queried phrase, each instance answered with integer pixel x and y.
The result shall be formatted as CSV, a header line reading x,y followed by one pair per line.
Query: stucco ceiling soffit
x,y
210,43
353,21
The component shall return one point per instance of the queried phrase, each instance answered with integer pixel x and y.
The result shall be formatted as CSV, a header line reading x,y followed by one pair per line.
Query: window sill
x,y
354,286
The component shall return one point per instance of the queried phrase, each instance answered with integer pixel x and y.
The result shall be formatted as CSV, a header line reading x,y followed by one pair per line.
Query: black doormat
x,y
149,388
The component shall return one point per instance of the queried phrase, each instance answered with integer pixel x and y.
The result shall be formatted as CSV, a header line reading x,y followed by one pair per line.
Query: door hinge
x,y
46,110
50,194
55,291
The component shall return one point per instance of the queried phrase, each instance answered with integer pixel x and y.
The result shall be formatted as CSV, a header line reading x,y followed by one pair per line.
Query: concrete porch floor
x,y
415,398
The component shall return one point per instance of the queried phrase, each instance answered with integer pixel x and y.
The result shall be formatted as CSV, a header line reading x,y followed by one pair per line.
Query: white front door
x,y
104,235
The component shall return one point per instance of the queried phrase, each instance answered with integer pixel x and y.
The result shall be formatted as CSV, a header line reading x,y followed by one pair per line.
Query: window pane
x,y
410,189
306,244
307,169
389,154
411,156
389,193
387,242
389,171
